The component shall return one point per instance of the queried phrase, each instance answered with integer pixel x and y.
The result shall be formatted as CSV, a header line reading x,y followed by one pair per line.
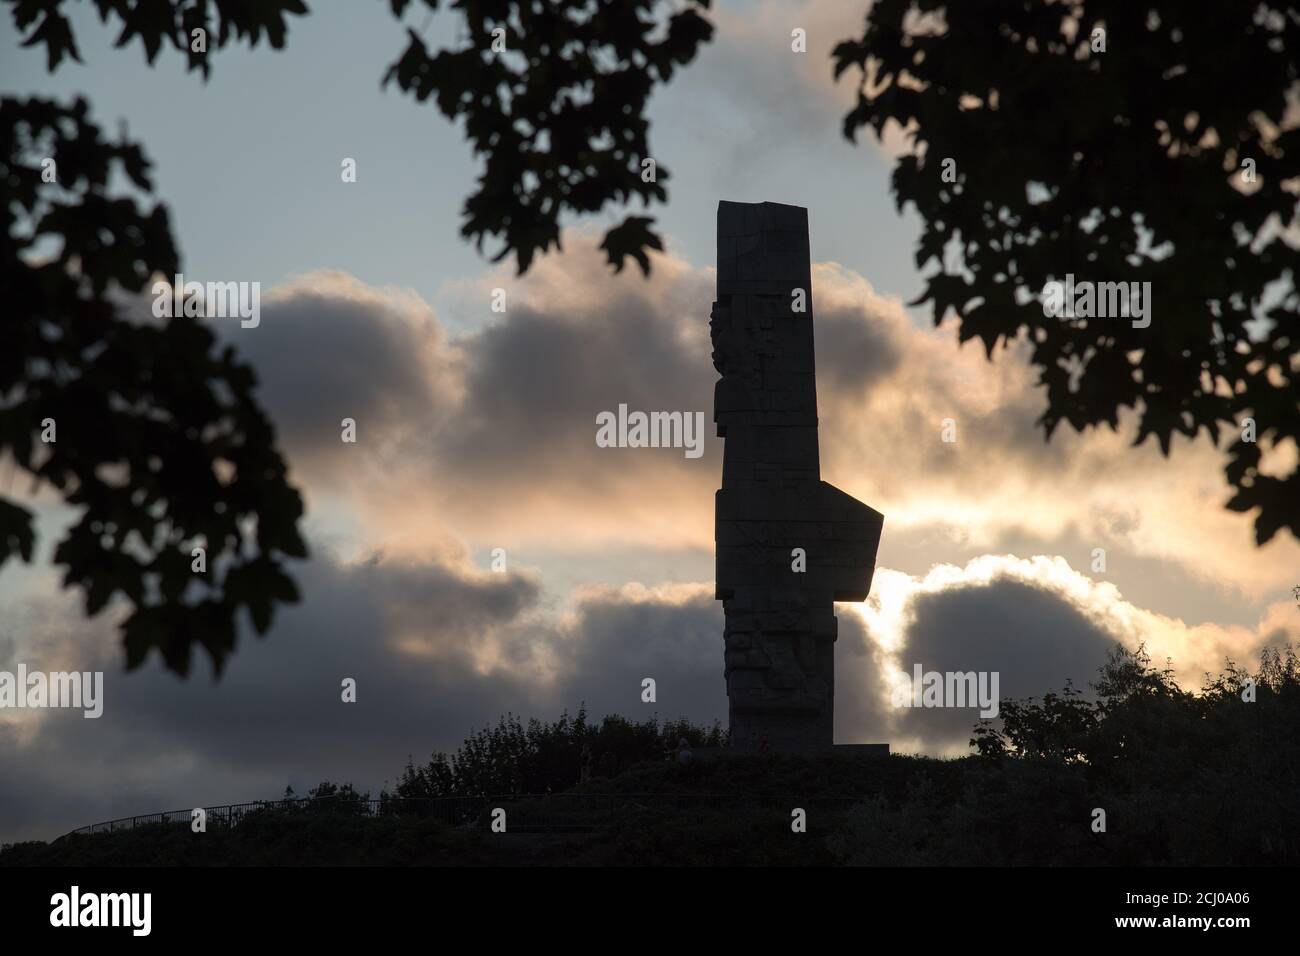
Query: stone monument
x,y
788,544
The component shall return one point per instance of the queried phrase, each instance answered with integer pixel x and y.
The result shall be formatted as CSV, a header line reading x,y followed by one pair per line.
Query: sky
x,y
475,432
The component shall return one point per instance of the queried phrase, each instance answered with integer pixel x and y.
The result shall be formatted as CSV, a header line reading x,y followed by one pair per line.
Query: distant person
x,y
684,754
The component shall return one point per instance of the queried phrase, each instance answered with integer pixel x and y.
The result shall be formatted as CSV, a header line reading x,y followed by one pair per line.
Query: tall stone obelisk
x,y
788,544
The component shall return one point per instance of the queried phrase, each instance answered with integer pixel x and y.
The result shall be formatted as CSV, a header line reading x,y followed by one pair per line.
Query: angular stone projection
x,y
780,622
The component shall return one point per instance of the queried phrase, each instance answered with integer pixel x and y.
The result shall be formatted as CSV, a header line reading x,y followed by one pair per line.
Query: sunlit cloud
x,y
1192,649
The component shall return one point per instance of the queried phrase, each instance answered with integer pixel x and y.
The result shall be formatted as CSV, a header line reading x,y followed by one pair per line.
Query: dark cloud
x,y
410,635
620,641
276,716
1032,637
508,413
536,382
339,351
491,417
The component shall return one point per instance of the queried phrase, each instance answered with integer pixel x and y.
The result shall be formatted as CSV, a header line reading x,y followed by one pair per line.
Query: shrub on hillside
x,y
540,757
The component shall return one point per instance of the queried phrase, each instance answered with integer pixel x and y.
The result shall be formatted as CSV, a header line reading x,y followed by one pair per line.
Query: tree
x,y
149,430
160,439
1118,141
554,95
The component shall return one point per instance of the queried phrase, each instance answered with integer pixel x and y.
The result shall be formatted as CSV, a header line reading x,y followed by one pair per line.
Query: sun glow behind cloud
x,y
1192,649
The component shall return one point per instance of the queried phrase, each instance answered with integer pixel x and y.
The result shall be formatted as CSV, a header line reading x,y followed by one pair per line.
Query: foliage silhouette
x,y
540,757
158,436
160,439
1128,164
153,23
1185,778
554,96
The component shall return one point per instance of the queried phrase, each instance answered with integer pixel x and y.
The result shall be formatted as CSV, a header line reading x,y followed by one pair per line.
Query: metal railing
x,y
538,812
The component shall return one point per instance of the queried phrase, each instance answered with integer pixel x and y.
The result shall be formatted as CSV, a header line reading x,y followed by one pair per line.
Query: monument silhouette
x,y
788,544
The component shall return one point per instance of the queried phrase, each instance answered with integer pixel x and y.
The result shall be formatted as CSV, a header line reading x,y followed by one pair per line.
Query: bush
x,y
540,757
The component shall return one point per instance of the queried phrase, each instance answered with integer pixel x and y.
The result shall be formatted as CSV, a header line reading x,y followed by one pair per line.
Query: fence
x,y
549,813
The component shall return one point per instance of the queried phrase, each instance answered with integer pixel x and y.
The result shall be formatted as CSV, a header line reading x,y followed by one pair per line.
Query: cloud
x,y
437,649
331,348
490,436
509,459
1026,633
1038,623
440,648
882,441
492,433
